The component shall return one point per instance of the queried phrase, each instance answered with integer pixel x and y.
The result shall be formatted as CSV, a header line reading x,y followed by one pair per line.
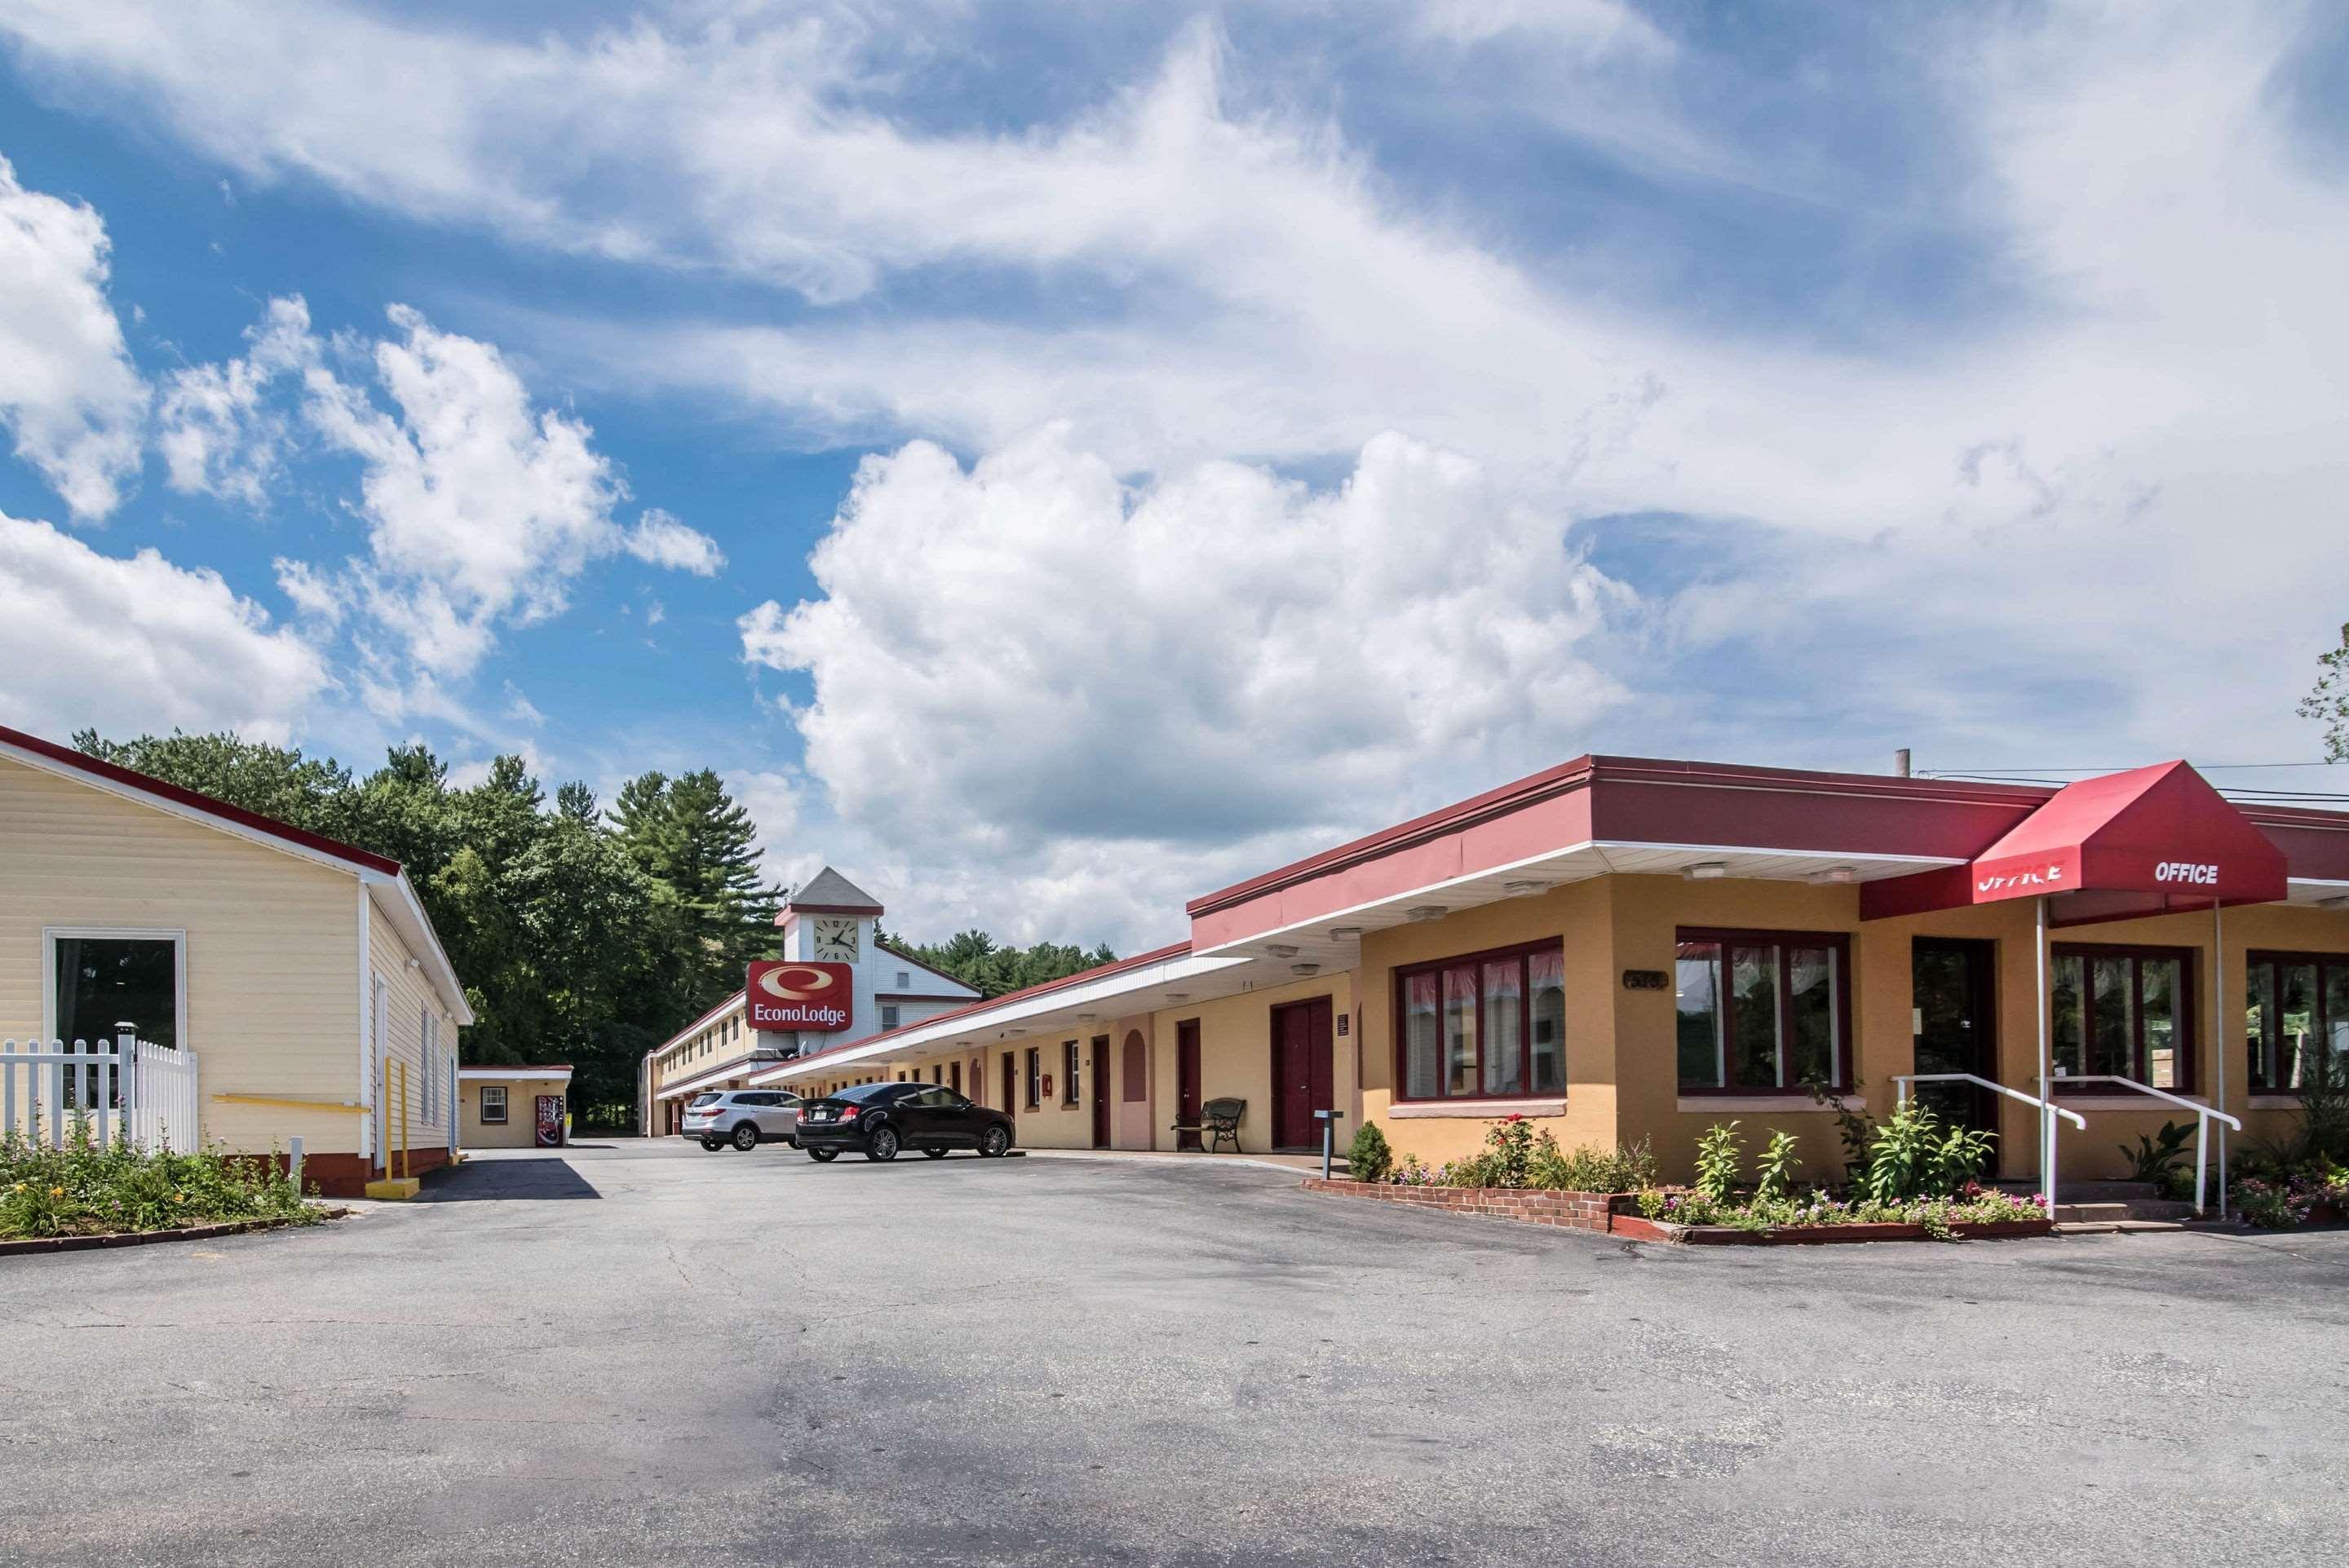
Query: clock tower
x,y
830,920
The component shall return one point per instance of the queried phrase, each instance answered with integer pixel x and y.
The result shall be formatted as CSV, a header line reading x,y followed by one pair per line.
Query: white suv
x,y
745,1117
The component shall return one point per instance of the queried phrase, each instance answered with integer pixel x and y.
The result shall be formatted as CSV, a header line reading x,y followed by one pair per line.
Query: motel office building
x,y
1626,950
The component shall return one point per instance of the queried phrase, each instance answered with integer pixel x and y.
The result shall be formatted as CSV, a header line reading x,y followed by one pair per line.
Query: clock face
x,y
835,940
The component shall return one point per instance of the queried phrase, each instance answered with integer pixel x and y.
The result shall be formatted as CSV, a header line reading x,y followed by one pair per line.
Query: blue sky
x,y
1057,463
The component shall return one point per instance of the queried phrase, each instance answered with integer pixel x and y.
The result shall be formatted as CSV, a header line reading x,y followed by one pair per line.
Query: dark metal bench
x,y
1219,1120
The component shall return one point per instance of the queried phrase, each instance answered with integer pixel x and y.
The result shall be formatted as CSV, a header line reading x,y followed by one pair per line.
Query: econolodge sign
x,y
784,993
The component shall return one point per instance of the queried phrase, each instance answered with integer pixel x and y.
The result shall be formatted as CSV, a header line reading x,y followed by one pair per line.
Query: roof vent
x,y
1301,969
1835,874
1345,933
1524,888
1425,912
1281,949
1707,870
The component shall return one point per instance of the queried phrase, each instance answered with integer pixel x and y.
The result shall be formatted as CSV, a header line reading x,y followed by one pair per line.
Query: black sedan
x,y
877,1120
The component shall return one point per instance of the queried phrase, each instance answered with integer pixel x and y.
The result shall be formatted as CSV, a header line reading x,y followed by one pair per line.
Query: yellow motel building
x,y
297,979
1629,950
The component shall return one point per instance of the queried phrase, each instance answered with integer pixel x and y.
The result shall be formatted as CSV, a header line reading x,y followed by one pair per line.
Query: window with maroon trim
x,y
1484,1025
1762,1012
2123,1012
2296,1006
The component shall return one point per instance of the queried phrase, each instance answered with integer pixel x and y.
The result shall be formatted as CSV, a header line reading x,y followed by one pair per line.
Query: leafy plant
x,y
1507,1160
1591,1169
2154,1158
82,1189
1856,1128
1913,1157
1369,1157
2323,1110
1717,1160
1771,1177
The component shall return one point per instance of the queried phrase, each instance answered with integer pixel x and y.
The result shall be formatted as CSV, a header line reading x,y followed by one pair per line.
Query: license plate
x,y
819,1115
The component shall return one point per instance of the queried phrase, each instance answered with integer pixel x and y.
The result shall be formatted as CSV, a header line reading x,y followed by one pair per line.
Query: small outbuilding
x,y
515,1107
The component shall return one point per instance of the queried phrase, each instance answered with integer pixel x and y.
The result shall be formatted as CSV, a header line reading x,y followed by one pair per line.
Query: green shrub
x,y
1368,1158
1591,1169
1771,1178
1856,1129
1508,1152
82,1189
1717,1161
1912,1157
2150,1159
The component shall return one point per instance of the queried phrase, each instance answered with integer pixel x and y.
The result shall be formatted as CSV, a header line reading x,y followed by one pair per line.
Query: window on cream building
x,y
2295,1011
2123,1012
1762,1012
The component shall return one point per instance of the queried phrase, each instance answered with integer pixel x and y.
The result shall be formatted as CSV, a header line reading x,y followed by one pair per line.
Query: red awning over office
x,y
2147,842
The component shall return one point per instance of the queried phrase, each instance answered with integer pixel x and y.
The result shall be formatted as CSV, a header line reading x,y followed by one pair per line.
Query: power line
x,y
2031,773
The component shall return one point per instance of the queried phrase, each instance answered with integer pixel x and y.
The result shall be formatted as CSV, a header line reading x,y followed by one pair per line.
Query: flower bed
x,y
85,1193
1642,1229
144,1238
2314,1195
1683,1214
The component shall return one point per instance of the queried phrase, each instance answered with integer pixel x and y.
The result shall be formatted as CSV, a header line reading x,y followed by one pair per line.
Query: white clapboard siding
x,y
272,945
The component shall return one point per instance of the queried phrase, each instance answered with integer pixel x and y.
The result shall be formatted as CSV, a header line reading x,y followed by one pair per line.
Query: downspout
x,y
2218,1042
2046,1073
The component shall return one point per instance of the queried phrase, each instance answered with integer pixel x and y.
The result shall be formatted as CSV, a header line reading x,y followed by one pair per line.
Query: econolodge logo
x,y
784,993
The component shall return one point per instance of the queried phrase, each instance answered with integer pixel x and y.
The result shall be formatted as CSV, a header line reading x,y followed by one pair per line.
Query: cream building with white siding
x,y
294,966
830,920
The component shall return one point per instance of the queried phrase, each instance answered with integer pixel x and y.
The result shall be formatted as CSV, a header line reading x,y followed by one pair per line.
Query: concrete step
x,y
2151,1210
2113,1227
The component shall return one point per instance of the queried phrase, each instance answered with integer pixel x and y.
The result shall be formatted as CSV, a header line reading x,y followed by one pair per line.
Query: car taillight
x,y
848,1113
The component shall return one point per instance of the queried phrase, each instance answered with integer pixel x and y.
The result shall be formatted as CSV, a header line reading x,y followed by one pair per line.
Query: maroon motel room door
x,y
1302,1081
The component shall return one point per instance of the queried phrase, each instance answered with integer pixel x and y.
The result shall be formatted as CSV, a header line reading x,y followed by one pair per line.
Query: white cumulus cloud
x,y
69,395
482,507
126,645
1029,650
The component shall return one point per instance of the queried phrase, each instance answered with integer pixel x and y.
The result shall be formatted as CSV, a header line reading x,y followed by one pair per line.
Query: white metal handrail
x,y
2203,1116
1901,1081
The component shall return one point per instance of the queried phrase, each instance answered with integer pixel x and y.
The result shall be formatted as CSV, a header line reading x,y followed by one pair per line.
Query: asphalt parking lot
x,y
646,1353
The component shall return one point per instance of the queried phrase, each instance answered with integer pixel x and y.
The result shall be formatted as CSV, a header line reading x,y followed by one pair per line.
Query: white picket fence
x,y
128,1089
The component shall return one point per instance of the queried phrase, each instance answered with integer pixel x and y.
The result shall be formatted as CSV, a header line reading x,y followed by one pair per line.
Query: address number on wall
x,y
1646,980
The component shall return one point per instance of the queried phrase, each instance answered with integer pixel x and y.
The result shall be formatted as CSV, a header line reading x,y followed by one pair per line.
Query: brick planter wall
x,y
1573,1210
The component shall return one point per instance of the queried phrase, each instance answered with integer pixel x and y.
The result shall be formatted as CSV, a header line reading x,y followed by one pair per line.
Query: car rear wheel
x,y
994,1142
824,1156
935,1152
746,1137
883,1145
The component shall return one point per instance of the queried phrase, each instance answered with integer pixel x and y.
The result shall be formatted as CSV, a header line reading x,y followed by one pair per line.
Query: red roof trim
x,y
80,762
1585,771
1099,972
